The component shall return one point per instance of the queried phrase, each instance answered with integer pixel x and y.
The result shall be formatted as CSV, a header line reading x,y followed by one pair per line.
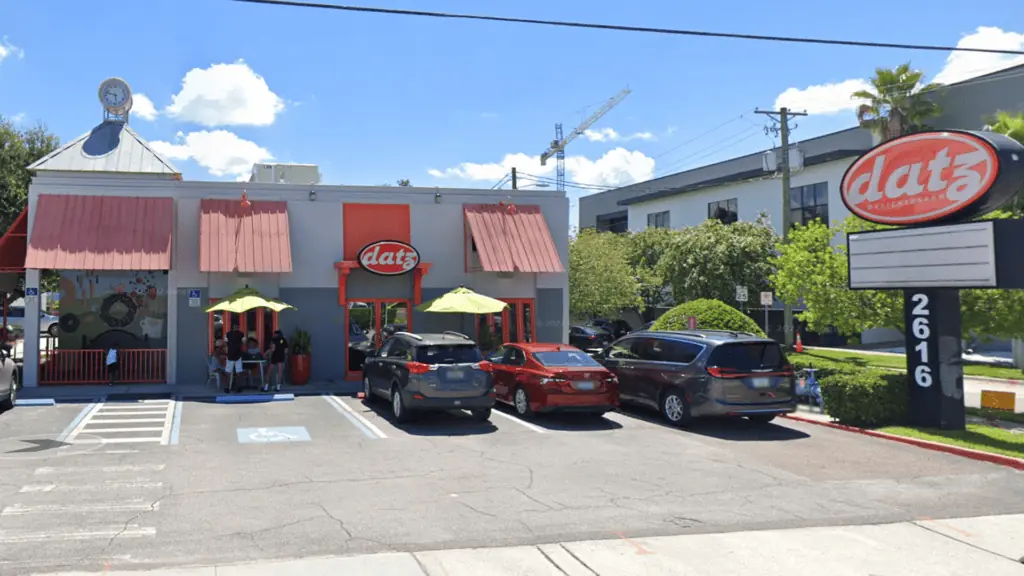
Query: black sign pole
x,y
934,358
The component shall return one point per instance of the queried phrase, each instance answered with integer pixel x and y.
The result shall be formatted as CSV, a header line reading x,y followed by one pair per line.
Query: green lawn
x,y
976,437
900,362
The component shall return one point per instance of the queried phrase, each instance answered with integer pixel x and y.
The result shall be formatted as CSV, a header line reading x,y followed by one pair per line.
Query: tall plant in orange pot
x,y
299,361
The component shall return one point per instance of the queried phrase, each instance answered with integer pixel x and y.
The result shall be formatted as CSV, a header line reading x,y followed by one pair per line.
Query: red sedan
x,y
548,377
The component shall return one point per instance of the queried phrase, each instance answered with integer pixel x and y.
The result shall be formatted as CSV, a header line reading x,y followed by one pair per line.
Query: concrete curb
x,y
999,459
254,398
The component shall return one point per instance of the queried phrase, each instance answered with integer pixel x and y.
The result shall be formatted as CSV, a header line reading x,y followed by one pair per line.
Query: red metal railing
x,y
136,366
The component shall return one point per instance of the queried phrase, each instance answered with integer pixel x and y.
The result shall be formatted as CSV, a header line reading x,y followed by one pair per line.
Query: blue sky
x,y
373,98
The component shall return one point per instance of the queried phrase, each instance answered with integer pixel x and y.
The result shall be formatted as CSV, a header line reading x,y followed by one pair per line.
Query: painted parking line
x,y
365,426
145,421
523,423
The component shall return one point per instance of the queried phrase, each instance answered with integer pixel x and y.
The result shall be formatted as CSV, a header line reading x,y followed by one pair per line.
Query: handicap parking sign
x,y
193,293
272,435
31,291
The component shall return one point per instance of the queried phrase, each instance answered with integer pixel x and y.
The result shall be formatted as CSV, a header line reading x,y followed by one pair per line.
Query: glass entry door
x,y
369,323
515,323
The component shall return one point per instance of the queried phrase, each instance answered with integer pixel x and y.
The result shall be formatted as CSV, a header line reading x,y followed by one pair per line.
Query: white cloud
x,y
835,97
822,98
963,65
142,107
616,167
225,95
18,118
8,50
221,152
610,135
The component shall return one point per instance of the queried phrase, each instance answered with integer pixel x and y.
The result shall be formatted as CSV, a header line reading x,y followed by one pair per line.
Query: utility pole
x,y
780,127
515,180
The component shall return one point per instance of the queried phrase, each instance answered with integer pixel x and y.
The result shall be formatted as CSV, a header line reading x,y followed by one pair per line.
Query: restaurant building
x,y
140,253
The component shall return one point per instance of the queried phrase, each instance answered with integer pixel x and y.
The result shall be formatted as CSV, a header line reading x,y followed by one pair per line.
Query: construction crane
x,y
557,148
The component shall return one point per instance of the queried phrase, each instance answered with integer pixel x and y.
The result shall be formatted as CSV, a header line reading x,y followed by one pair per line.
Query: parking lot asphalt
x,y
332,475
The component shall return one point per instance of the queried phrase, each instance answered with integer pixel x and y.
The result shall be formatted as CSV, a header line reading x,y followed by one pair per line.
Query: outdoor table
x,y
248,363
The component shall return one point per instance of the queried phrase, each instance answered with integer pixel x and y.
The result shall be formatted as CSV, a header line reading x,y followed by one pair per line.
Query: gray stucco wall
x,y
362,284
319,314
193,337
549,315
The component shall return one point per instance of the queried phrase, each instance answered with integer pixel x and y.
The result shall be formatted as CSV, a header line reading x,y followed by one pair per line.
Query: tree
x,y
710,315
645,250
18,150
810,268
1011,125
898,105
403,182
711,259
601,282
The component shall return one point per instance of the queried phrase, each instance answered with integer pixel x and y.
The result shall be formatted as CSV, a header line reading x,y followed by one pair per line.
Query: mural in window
x,y
725,211
808,202
658,220
98,309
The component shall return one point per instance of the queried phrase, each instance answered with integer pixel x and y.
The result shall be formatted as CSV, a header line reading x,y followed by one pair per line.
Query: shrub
x,y
866,397
824,367
711,315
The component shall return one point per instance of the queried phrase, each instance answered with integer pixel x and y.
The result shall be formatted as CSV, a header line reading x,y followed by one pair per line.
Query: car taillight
x,y
553,382
787,371
717,372
419,367
484,365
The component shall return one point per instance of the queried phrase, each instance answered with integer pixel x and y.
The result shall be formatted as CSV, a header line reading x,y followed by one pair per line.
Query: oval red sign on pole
x,y
388,258
931,177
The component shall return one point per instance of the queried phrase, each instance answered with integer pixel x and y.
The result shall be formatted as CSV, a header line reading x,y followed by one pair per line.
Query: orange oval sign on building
x,y
388,258
920,178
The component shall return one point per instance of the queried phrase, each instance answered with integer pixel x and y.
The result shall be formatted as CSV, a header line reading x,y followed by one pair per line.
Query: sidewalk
x,y
989,545
73,393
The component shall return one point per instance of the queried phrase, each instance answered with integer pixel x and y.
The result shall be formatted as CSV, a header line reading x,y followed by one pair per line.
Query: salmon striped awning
x,y
14,244
101,233
512,238
237,238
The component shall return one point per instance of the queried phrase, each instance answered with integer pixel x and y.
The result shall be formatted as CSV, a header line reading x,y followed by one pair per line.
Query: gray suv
x,y
686,374
430,372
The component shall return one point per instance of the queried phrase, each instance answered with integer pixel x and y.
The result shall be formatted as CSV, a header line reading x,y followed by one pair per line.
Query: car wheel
x,y
481,414
761,418
398,409
675,408
367,392
53,330
522,403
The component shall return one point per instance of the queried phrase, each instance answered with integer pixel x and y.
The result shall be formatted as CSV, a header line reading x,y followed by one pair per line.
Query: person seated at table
x,y
253,354
216,361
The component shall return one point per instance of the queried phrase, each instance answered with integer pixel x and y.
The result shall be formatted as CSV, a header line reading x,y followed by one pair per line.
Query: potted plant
x,y
298,361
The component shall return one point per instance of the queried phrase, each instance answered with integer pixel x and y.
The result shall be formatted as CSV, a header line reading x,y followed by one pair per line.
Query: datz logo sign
x,y
934,186
388,258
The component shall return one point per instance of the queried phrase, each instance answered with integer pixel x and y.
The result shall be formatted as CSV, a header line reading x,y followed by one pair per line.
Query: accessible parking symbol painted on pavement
x,y
273,435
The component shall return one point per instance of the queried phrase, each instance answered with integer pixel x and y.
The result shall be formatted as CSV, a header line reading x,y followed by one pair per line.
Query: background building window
x,y
809,202
727,211
617,223
657,219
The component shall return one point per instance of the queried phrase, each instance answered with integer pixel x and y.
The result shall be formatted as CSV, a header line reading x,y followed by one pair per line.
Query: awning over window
x,y
101,233
14,244
237,238
512,238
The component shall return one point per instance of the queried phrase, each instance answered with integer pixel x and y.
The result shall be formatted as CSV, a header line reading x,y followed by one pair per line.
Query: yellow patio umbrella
x,y
247,299
462,300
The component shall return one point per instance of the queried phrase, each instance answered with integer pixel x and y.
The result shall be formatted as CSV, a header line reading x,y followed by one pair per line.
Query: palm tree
x,y
1007,124
898,105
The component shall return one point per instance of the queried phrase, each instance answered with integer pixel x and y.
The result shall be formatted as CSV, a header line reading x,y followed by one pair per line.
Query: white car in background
x,y
47,324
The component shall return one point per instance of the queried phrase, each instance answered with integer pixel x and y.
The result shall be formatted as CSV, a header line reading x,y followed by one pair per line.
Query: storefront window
x,y
515,324
259,323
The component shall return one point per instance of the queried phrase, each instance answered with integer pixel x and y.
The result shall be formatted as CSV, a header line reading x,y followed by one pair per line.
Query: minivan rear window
x,y
568,359
748,356
448,354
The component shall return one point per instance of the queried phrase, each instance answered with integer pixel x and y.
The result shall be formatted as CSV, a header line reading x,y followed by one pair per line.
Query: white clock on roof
x,y
116,96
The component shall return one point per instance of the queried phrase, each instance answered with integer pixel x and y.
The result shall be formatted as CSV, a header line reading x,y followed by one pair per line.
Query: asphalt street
x,y
228,483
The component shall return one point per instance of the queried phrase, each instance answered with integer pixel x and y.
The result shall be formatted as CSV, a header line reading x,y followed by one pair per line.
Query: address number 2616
x,y
920,330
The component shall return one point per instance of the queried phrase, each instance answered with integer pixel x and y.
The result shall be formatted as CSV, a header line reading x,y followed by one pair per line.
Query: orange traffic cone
x,y
799,343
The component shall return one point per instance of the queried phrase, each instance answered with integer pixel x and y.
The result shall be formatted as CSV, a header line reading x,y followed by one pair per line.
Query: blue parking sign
x,y
193,292
31,291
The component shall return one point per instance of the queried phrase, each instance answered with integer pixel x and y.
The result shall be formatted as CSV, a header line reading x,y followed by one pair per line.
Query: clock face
x,y
115,94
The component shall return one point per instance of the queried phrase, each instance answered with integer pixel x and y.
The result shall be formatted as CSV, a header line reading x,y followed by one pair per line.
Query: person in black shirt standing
x,y
236,343
278,349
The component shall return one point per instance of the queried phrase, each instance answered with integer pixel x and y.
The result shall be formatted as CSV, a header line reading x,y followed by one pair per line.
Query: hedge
x,y
711,315
866,397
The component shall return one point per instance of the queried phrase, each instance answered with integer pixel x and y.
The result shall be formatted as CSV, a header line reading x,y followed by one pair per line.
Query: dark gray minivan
x,y
687,374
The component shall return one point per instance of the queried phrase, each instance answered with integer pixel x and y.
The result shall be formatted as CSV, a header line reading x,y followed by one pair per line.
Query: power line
x,y
621,28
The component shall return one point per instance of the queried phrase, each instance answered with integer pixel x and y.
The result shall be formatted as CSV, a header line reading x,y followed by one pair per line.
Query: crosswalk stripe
x,y
127,421
109,413
117,440
101,469
112,485
8,537
134,504
99,430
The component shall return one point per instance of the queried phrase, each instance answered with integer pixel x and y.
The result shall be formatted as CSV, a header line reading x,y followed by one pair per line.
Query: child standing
x,y
113,364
